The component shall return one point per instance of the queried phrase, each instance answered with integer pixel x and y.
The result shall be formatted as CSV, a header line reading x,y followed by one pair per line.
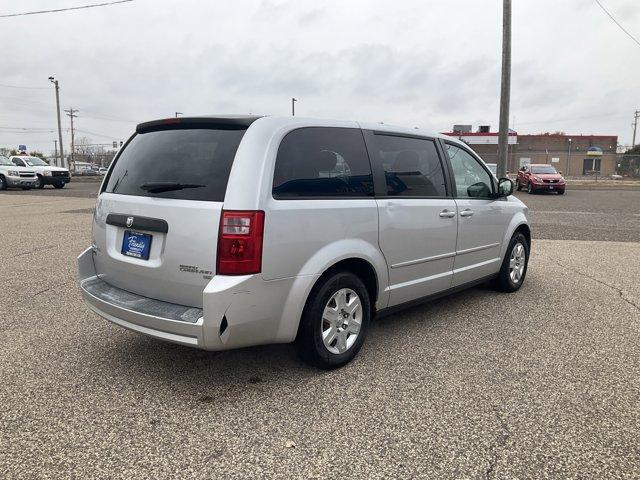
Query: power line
x,y
617,23
96,134
26,88
64,9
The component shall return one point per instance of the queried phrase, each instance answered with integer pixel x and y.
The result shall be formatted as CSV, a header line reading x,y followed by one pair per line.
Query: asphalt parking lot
x,y
543,383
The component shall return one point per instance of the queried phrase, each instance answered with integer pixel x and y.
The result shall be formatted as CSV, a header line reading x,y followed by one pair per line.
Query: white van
x,y
226,232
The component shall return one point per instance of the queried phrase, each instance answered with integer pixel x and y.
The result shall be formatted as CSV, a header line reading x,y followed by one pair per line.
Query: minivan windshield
x,y
543,169
183,163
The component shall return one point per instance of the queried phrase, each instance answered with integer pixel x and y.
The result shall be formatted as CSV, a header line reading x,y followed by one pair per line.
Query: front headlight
x,y
13,173
47,173
537,179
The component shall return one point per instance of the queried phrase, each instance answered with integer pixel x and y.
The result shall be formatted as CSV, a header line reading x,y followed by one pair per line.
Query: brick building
x,y
574,155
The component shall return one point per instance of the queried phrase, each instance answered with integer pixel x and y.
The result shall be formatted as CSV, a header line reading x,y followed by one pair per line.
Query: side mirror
x,y
505,187
479,190
560,172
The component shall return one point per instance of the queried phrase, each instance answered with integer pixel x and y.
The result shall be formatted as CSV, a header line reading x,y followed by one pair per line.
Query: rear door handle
x,y
447,214
466,213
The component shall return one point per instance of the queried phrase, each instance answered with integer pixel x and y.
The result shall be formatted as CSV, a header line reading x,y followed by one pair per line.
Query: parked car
x,y
12,176
226,232
46,174
540,178
102,171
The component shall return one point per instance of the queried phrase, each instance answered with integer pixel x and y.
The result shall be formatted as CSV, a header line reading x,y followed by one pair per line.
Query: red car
x,y
540,178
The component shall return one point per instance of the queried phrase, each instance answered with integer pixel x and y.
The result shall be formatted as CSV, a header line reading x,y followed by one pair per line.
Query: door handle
x,y
466,213
447,214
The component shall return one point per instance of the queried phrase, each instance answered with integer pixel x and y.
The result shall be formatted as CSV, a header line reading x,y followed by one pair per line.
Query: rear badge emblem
x,y
129,221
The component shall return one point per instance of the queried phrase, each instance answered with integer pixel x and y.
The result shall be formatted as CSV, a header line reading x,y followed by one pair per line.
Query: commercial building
x,y
574,155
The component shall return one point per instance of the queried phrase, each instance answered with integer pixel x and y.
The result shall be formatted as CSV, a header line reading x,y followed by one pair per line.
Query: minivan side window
x,y
412,166
472,180
322,162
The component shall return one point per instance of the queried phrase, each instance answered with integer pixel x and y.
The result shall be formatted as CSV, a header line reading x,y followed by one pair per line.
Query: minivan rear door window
x,y
183,163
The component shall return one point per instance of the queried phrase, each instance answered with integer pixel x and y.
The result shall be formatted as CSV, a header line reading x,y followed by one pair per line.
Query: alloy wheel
x,y
517,262
341,321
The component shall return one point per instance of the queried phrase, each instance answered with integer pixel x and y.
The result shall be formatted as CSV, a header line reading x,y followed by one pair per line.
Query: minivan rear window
x,y
185,164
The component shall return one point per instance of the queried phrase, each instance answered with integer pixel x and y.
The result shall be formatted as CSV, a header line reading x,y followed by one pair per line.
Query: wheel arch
x,y
361,268
520,224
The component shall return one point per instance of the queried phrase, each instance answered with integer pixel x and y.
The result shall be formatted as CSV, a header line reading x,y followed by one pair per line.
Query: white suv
x,y
47,174
12,176
226,232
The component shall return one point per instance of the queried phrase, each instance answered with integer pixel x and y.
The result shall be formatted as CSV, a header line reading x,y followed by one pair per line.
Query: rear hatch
x,y
158,213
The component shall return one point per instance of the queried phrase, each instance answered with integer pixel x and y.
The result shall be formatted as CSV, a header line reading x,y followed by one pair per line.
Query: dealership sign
x,y
594,151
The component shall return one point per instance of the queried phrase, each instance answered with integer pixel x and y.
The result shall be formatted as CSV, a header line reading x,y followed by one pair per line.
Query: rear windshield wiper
x,y
158,187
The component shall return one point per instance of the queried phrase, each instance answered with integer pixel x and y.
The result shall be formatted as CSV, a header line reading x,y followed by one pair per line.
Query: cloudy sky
x,y
426,63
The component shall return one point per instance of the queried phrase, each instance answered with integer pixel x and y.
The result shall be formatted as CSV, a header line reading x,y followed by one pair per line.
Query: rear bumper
x,y
237,311
166,321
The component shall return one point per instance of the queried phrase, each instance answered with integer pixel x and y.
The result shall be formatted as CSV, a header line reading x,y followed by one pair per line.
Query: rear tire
x,y
514,265
334,322
26,188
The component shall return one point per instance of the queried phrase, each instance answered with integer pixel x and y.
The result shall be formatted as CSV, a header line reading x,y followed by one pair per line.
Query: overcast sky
x,y
423,63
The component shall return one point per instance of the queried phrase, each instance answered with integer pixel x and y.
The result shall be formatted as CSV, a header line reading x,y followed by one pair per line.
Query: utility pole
x,y
71,113
55,82
55,147
505,89
636,114
293,106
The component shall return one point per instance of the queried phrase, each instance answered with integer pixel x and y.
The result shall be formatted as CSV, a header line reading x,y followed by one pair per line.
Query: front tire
x,y
39,182
560,192
59,185
334,322
530,190
514,265
518,186
3,183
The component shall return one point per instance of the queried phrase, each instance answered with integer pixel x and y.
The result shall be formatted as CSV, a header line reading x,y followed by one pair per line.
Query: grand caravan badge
x,y
207,274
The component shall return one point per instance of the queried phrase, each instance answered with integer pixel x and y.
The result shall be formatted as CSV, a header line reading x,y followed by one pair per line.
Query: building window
x,y
591,166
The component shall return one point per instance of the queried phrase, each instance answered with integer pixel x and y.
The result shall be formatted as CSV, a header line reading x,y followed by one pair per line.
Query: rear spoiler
x,y
223,123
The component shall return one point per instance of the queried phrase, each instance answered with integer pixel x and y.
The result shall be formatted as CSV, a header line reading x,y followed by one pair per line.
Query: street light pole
x,y
568,158
55,82
505,90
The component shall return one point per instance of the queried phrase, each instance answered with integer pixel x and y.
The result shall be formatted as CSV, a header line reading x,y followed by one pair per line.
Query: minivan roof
x,y
244,121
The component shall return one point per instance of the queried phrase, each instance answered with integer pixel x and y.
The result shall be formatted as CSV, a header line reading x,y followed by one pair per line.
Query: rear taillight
x,y
240,243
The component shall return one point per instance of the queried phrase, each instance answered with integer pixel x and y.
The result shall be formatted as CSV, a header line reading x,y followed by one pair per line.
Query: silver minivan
x,y
226,232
